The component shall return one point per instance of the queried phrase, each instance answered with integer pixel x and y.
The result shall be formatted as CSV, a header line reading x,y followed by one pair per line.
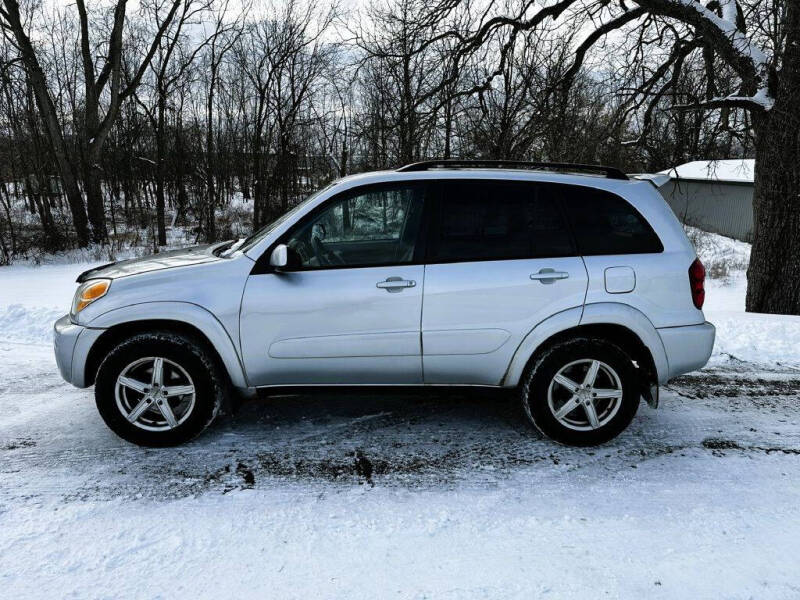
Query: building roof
x,y
736,170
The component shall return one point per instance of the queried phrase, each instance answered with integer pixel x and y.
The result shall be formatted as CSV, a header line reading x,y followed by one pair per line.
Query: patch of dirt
x,y
706,385
719,445
246,473
18,443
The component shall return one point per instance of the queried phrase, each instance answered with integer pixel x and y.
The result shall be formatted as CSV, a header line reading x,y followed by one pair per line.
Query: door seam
x,y
422,309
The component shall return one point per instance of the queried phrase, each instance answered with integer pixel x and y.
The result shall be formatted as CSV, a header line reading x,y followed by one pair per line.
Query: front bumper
x,y
72,344
688,348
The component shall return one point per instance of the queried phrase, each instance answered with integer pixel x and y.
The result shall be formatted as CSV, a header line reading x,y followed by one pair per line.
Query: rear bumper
x,y
687,348
72,343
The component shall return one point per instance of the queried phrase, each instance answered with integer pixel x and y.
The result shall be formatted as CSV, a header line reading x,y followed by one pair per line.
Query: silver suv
x,y
570,283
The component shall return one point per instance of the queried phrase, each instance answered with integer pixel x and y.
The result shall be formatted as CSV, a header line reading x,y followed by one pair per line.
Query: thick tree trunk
x,y
773,277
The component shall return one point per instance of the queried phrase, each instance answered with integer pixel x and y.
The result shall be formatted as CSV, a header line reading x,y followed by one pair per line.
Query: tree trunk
x,y
161,170
7,209
448,128
773,277
180,172
47,110
211,190
94,202
260,202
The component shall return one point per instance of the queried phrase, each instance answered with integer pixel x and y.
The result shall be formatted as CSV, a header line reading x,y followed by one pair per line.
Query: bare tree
x,y
759,41
96,79
221,40
138,112
282,57
174,55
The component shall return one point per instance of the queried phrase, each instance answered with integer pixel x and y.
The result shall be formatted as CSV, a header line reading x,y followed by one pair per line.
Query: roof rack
x,y
426,165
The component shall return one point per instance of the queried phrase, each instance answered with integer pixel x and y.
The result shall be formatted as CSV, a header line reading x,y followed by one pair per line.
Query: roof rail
x,y
426,165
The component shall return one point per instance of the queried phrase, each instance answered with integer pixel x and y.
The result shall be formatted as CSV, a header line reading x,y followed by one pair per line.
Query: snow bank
x,y
33,298
767,340
722,256
28,324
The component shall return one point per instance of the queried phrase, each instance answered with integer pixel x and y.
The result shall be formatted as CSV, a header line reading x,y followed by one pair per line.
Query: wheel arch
x,y
620,324
183,318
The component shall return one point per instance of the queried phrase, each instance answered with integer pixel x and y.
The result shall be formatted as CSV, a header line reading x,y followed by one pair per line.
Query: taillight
x,y
697,279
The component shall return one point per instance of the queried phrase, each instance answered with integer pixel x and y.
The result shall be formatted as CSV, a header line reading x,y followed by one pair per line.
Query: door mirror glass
x,y
279,257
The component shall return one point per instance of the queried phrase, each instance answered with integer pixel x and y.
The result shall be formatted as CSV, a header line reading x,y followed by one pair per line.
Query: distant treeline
x,y
112,122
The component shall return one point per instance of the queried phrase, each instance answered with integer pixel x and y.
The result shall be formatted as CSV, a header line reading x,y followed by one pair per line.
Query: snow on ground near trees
x,y
444,495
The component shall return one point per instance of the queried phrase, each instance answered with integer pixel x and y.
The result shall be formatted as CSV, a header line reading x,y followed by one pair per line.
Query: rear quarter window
x,y
604,223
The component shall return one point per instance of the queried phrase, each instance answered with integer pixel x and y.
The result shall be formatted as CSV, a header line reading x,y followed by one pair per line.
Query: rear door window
x,y
497,220
604,223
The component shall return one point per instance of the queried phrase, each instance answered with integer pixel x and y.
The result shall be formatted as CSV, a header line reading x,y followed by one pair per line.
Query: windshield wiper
x,y
222,247
228,248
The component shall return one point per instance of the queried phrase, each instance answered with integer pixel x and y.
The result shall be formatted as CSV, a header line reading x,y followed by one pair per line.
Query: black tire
x,y
539,375
192,356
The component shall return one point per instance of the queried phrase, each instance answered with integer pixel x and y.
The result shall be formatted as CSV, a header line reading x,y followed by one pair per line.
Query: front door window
x,y
377,226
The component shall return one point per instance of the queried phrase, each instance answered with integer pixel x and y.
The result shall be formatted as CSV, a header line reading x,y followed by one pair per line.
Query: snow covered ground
x,y
414,496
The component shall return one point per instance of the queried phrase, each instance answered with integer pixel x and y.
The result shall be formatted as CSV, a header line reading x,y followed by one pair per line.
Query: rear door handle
x,y
396,284
549,275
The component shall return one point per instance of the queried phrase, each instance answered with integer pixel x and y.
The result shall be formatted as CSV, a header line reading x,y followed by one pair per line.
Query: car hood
x,y
156,262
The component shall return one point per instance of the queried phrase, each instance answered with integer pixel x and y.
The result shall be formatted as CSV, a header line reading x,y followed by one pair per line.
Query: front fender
x,y
183,312
610,313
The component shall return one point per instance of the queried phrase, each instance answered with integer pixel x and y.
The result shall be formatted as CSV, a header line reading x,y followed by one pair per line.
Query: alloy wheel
x,y
585,394
155,393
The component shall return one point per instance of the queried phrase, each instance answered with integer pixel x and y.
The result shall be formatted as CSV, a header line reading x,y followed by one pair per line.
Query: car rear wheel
x,y
581,392
159,389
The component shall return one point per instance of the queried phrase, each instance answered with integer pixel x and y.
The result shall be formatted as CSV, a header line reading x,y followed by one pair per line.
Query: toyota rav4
x,y
572,284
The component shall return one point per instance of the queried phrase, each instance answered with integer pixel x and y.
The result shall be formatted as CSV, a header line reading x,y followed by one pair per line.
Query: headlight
x,y
89,292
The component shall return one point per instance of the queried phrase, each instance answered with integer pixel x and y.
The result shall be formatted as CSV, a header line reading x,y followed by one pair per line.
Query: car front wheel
x,y
159,389
581,392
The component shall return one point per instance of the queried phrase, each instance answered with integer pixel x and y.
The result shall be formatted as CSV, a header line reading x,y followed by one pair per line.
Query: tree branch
x,y
605,28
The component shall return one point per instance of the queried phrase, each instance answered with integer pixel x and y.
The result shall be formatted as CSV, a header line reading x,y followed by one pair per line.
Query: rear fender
x,y
536,337
616,313
610,313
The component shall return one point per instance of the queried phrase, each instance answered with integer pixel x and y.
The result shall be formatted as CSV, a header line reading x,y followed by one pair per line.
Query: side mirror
x,y
279,257
283,257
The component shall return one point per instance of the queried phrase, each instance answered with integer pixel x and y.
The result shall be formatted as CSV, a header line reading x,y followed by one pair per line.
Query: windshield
x,y
269,227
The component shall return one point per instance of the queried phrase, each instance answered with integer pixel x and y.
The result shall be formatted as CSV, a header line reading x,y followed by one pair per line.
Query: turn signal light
x,y
88,293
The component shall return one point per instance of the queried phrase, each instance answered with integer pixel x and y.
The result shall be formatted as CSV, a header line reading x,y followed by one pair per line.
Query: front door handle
x,y
549,275
395,284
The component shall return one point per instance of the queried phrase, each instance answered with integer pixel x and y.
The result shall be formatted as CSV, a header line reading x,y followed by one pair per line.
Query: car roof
x,y
507,174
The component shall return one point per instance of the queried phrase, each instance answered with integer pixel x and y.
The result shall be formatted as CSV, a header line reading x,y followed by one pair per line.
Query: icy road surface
x,y
407,496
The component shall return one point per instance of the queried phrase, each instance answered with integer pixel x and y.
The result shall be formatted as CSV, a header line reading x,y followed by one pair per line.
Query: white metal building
x,y
714,195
